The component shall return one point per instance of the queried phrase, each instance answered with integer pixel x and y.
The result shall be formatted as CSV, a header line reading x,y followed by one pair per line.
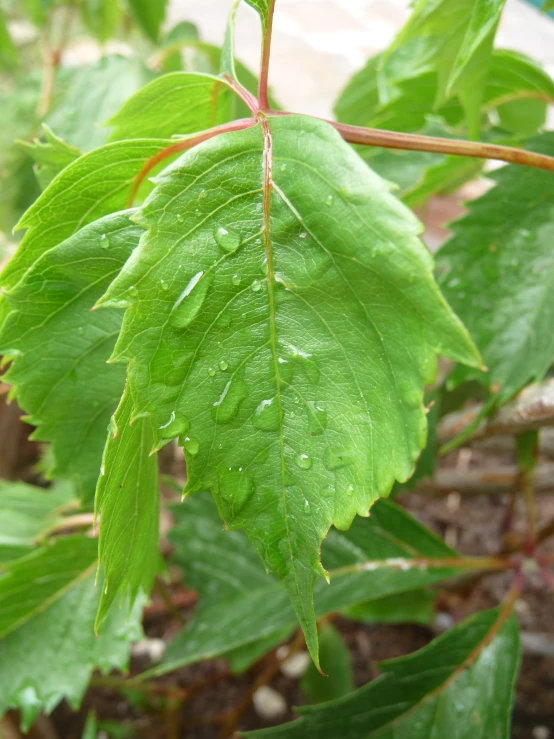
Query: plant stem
x,y
183,145
263,98
405,563
80,520
435,145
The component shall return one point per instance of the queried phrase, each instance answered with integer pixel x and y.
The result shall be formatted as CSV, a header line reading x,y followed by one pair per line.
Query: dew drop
x,y
317,418
235,279
335,460
329,200
203,194
190,301
227,406
191,445
236,488
133,291
304,461
256,286
267,416
164,285
303,235
177,424
180,217
104,241
229,241
211,371
307,508
349,490
223,365
283,167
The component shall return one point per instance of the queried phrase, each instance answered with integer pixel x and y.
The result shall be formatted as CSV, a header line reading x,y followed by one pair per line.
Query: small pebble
x,y
268,703
443,622
154,649
541,732
296,665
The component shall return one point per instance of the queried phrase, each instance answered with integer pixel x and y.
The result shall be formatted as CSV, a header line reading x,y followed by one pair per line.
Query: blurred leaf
x,y
336,663
50,154
458,686
242,658
413,607
89,732
95,93
101,17
8,52
497,272
179,35
27,513
60,348
48,650
150,15
241,604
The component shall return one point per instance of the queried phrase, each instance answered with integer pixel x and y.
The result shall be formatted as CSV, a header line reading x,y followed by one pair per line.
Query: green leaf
x,y
242,658
59,348
101,17
27,514
177,103
548,6
93,186
50,155
262,7
150,15
336,663
413,607
228,329
453,38
459,685
48,650
8,52
89,732
96,92
128,502
497,271
241,604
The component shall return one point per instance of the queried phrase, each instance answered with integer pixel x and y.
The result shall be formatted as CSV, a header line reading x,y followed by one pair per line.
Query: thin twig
x,y
493,480
183,145
423,563
263,97
80,520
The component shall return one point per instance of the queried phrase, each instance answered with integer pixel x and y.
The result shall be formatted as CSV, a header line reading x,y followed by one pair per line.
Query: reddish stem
x,y
245,95
435,145
183,145
263,97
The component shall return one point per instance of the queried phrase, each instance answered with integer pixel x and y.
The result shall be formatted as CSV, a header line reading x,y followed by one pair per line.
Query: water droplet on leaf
x,y
223,365
336,460
227,406
268,415
304,461
235,279
176,425
211,371
104,241
256,286
307,508
317,418
191,445
190,301
229,241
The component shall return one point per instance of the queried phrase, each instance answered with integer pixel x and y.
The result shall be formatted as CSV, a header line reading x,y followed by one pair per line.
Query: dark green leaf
x,y
262,6
460,685
245,335
241,604
497,271
48,650
336,663
149,15
60,348
415,606
128,502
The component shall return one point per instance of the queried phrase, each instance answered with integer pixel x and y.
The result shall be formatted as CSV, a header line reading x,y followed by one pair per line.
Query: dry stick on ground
x,y
531,409
493,480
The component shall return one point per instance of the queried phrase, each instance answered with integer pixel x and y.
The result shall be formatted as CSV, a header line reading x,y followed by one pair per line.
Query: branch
x,y
533,408
263,98
497,480
424,563
435,145
183,145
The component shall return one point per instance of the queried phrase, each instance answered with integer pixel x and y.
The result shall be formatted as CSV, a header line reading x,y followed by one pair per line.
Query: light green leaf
x,y
48,650
229,330
498,270
150,15
8,52
96,92
93,186
89,732
240,604
459,685
262,7
127,500
27,514
453,38
336,663
101,17
548,6
176,103
60,349
50,155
